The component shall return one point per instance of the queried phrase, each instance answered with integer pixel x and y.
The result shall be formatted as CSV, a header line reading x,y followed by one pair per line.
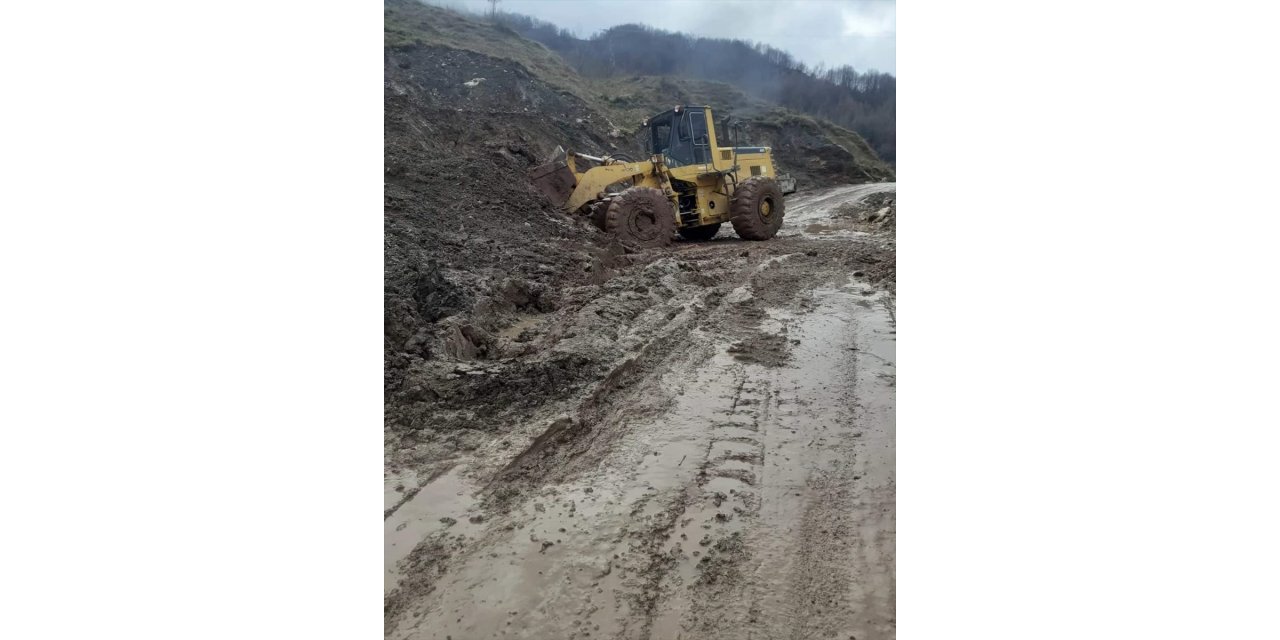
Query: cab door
x,y
700,139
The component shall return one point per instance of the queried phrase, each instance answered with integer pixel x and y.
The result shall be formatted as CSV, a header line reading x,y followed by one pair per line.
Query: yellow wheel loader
x,y
690,184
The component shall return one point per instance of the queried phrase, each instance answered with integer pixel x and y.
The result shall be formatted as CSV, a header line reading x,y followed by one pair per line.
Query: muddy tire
x,y
700,234
757,208
641,217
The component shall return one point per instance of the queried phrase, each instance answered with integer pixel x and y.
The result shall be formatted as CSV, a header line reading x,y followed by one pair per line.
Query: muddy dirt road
x,y
731,476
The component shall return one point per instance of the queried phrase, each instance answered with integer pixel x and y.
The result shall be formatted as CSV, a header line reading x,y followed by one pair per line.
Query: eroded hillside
x,y
586,442
816,151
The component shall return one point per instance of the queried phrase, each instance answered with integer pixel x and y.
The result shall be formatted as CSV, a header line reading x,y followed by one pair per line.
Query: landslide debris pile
x,y
479,268
469,245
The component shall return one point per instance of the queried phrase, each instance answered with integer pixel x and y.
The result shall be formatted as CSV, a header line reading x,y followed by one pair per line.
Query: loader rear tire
x,y
641,218
700,234
757,208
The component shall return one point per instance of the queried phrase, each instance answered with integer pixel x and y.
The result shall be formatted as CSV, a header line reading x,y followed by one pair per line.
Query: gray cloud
x,y
859,33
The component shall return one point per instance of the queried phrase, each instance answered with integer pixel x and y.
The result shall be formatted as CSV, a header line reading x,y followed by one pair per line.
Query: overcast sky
x,y
860,33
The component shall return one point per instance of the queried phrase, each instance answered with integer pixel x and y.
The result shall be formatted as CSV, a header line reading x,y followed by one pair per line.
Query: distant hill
x,y
815,150
865,102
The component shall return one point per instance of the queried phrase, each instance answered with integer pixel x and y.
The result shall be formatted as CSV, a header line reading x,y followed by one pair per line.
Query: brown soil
x,y
583,441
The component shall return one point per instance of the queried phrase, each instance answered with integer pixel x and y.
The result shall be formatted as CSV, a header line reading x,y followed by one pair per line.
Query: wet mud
x,y
696,442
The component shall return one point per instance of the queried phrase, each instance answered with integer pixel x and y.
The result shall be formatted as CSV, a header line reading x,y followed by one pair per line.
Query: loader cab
x,y
681,135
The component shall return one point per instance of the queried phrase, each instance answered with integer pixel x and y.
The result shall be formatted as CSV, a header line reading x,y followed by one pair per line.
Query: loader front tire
x,y
757,208
700,234
641,218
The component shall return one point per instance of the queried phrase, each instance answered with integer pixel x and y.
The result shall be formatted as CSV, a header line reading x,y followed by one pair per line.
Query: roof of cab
x,y
681,106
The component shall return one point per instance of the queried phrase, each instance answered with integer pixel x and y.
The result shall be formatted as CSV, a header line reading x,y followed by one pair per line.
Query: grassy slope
x,y
624,102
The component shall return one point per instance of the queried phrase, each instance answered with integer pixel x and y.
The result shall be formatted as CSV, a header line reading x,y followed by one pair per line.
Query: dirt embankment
x,y
471,249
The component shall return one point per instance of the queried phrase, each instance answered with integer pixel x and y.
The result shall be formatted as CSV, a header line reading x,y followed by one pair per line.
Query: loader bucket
x,y
555,181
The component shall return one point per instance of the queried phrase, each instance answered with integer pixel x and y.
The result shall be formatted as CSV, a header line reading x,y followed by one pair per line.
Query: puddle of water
x,y
519,326
448,496
875,339
816,208
396,486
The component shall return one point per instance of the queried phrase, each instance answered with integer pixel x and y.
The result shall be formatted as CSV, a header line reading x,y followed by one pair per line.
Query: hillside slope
x,y
816,151
472,251
865,101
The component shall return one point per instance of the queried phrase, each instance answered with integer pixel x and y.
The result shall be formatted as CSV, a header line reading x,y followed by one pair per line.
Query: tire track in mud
x,y
727,499
705,487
